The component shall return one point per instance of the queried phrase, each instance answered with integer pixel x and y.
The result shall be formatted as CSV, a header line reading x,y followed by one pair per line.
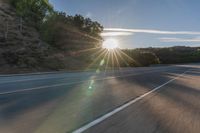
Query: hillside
x,y
20,49
54,44
176,54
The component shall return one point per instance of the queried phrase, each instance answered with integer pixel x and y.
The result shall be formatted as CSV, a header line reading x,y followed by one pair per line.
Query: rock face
x,y
20,44
10,28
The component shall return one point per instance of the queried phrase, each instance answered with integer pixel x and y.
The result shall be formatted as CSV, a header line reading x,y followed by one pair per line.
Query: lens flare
x,y
110,44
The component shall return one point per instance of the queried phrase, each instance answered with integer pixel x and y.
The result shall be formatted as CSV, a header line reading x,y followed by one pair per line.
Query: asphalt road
x,y
132,100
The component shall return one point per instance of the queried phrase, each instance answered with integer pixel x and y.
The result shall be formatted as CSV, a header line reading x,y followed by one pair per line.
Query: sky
x,y
141,23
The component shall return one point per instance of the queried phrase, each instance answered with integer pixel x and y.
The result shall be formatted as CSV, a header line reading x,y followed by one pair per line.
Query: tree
x,y
141,57
79,21
33,11
71,32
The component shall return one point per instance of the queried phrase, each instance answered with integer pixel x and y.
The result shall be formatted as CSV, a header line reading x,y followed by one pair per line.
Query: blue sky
x,y
142,23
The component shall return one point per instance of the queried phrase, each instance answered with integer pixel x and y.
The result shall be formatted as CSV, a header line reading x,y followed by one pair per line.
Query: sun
x,y
111,44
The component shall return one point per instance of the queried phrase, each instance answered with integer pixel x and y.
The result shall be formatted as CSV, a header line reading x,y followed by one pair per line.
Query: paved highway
x,y
132,100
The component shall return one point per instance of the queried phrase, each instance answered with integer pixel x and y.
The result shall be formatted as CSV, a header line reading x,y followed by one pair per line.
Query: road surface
x,y
130,100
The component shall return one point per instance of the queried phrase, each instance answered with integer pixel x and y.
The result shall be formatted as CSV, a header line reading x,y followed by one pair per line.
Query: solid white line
x,y
23,80
48,73
72,83
102,118
30,79
42,73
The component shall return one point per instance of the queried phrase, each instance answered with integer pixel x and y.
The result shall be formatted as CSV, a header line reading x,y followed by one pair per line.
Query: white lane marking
x,y
23,80
72,83
102,118
31,79
43,73
55,72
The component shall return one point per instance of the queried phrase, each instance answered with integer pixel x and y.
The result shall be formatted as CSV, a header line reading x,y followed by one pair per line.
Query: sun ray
x,y
103,52
119,67
83,34
116,58
120,56
129,57
108,58
87,50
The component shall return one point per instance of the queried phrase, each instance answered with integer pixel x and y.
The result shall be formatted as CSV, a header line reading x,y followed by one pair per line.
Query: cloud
x,y
168,39
88,15
151,31
110,34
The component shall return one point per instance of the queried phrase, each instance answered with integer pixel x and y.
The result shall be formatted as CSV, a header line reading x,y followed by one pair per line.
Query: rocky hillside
x,y
22,49
20,44
29,44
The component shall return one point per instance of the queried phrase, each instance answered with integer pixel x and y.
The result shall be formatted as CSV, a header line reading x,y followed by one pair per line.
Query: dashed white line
x,y
102,118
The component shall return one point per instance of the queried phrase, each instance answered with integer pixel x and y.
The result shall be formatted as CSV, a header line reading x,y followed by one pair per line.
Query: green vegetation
x,y
171,55
62,41
174,55
55,26
141,58
149,56
71,32
33,11
128,58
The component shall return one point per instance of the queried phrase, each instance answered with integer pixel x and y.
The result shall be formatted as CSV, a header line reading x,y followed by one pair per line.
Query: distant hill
x,y
177,54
